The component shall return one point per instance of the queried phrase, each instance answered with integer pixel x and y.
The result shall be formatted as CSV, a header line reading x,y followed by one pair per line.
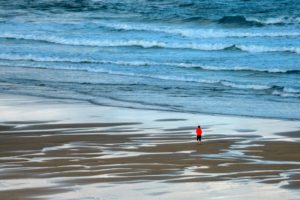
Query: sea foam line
x,y
277,20
274,89
151,44
197,33
141,63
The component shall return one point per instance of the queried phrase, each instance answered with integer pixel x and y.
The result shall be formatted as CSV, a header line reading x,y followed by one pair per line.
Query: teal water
x,y
225,57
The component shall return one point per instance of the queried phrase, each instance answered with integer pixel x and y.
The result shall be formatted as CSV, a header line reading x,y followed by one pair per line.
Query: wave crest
x,y
239,20
143,63
245,86
268,89
196,33
150,44
287,92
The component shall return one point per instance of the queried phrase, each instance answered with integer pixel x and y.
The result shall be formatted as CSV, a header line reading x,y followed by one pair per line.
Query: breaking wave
x,y
143,63
197,33
150,44
268,89
244,21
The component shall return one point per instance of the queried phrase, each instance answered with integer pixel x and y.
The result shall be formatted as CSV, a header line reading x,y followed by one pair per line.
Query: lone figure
x,y
199,134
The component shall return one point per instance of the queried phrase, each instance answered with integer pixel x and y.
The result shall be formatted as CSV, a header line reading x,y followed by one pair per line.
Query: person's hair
x,y
198,126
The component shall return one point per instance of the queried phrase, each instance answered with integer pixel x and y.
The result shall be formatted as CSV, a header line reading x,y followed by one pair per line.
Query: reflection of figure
x,y
199,134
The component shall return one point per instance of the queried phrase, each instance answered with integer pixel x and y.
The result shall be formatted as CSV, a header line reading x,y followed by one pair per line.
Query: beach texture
x,y
58,159
99,99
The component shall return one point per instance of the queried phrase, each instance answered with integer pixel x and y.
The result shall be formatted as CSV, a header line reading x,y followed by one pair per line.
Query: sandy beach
x,y
100,100
53,149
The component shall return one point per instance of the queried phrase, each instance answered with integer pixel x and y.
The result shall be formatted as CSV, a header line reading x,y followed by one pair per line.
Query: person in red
x,y
199,134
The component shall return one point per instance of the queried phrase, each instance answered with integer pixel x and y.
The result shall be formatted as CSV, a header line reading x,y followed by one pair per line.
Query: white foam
x,y
30,57
277,20
291,90
285,94
244,86
198,33
176,78
259,49
235,68
147,43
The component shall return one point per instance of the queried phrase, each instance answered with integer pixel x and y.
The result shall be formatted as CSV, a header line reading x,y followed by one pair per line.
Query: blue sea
x,y
232,57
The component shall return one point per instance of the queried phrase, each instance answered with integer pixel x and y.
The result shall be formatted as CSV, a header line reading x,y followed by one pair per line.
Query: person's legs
x,y
198,139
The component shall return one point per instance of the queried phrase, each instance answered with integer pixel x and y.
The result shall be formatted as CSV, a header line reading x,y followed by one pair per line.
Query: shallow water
x,y
152,190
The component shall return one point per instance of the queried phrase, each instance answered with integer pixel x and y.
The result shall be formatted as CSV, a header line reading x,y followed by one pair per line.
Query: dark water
x,y
227,57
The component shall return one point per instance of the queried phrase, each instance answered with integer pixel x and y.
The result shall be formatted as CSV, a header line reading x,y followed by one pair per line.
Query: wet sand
x,y
47,159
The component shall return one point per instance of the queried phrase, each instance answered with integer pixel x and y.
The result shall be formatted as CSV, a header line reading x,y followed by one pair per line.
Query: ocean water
x,y
238,57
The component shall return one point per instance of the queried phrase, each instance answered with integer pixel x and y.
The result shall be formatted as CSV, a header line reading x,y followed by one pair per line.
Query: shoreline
x,y
70,147
74,106
83,101
102,100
